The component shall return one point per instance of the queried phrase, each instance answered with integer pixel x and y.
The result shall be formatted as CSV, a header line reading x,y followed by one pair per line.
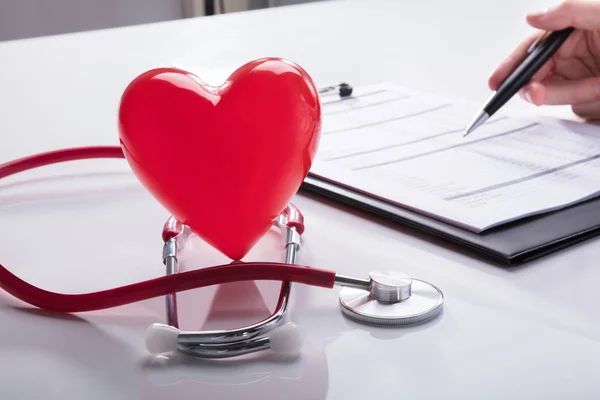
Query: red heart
x,y
223,160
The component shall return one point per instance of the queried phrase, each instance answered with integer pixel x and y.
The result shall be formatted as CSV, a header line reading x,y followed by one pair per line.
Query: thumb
x,y
579,14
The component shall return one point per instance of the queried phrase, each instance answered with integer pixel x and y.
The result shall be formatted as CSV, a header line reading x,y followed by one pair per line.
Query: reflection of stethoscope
x,y
383,299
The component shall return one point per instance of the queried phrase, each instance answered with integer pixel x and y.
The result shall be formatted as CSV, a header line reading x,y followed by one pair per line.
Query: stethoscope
x,y
385,298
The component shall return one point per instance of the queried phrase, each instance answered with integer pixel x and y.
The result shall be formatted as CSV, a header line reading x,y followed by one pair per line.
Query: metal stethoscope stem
x,y
235,342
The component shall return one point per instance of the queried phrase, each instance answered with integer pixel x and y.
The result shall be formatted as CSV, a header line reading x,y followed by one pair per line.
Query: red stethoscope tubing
x,y
71,303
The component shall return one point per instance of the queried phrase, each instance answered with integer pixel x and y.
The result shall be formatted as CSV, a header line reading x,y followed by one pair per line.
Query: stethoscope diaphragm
x,y
394,299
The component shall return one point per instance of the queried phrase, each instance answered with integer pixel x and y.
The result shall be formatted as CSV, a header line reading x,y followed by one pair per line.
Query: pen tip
x,y
477,121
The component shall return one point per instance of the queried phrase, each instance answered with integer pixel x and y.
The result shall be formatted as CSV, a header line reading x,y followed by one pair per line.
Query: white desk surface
x,y
529,332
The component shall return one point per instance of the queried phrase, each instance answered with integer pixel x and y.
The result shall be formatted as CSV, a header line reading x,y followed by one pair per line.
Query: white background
x,y
527,332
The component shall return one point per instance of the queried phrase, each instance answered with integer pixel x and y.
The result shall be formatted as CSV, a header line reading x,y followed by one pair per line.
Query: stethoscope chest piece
x,y
392,299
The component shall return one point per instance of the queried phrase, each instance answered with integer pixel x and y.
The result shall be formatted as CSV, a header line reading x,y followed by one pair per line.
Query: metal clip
x,y
343,89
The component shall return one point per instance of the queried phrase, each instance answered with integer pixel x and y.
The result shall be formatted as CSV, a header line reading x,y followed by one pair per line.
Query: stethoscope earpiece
x,y
161,338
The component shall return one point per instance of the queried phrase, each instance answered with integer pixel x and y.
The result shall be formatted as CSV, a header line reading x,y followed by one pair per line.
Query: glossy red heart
x,y
223,160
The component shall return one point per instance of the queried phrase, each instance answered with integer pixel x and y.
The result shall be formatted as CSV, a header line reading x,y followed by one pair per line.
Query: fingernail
x,y
527,95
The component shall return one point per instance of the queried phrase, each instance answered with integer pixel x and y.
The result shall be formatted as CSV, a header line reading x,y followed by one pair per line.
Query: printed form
x,y
407,147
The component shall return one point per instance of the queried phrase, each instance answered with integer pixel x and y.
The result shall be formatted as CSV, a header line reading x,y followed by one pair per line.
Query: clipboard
x,y
511,244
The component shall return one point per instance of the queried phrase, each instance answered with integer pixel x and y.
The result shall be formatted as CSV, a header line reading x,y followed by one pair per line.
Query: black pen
x,y
537,55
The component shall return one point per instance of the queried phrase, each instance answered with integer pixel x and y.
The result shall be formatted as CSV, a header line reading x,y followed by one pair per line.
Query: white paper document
x,y
408,148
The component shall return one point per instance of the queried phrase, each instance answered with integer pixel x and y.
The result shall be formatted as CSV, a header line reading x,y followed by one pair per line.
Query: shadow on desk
x,y
496,247
113,362
38,339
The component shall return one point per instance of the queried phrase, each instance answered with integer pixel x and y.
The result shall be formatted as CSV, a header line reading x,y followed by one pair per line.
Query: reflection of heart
x,y
223,160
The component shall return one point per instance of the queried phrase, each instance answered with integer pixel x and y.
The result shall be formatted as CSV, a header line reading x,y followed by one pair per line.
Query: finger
x,y
589,111
510,63
559,91
580,14
534,93
563,91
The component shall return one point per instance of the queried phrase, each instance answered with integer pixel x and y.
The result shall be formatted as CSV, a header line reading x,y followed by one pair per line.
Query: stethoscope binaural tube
x,y
71,303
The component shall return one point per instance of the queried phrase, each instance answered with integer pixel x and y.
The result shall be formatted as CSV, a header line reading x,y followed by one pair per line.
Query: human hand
x,y
572,75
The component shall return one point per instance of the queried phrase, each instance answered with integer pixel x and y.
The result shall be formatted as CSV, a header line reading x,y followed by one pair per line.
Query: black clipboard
x,y
513,244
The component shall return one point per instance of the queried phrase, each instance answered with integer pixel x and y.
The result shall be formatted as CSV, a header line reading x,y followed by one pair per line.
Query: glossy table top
x,y
527,332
